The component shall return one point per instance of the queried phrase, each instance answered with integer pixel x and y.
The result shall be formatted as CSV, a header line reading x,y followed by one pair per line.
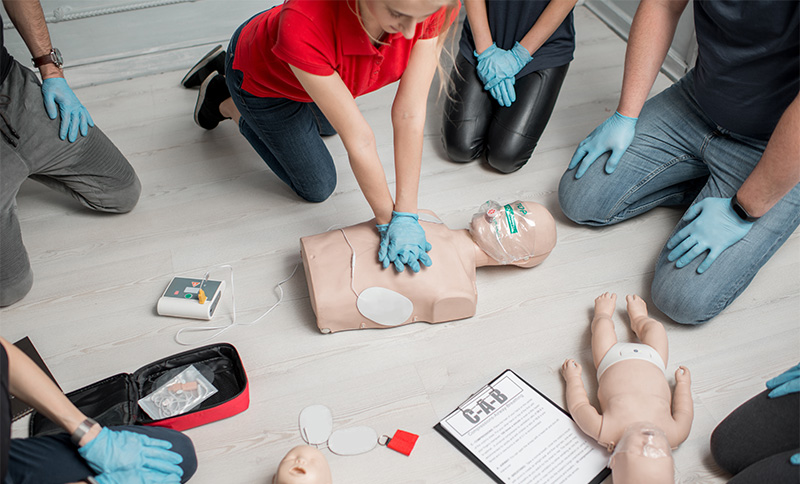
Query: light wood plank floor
x,y
208,199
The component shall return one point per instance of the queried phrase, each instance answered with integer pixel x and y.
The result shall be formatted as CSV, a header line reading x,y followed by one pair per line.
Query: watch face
x,y
57,59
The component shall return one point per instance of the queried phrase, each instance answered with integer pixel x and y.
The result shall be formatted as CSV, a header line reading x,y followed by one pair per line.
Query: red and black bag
x,y
114,401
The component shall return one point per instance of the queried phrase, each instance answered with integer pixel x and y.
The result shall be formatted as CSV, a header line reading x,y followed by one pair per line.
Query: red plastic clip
x,y
402,442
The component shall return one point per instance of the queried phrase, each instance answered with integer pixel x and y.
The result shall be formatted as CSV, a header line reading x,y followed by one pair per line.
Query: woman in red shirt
x,y
291,75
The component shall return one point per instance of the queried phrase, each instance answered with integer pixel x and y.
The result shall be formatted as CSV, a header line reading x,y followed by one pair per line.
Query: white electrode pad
x,y
384,306
182,298
316,424
353,441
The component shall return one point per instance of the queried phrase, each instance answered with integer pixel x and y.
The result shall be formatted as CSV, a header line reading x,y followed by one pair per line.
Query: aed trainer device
x,y
190,298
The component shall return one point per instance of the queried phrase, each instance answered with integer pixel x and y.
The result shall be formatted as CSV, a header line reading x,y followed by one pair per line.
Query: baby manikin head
x,y
303,465
643,454
519,233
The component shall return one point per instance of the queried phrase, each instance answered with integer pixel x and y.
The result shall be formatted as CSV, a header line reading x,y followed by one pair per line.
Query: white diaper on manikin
x,y
630,351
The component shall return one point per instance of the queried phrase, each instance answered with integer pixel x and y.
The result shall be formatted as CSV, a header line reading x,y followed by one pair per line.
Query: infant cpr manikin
x,y
350,289
303,465
640,419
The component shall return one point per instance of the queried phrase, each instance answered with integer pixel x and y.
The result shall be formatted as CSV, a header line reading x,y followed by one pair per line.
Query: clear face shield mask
x,y
507,233
645,440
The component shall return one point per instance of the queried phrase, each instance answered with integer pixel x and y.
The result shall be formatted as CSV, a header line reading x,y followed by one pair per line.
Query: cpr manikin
x,y
303,465
638,420
350,289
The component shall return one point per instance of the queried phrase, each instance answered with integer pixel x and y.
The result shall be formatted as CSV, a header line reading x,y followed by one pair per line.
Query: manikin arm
x,y
682,405
585,415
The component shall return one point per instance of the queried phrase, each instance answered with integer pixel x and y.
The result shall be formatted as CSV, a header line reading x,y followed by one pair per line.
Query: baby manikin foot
x,y
605,305
571,369
637,311
682,375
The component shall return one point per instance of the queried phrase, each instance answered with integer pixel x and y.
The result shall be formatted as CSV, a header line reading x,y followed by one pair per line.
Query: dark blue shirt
x,y
748,62
510,20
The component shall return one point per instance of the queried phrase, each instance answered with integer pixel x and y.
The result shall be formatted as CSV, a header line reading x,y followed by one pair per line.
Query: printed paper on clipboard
x,y
519,436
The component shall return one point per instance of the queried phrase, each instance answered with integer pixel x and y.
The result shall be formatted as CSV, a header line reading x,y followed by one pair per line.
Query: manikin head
x,y
643,454
303,465
519,233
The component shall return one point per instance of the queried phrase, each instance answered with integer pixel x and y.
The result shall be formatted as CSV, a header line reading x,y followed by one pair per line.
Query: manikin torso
x,y
635,391
445,291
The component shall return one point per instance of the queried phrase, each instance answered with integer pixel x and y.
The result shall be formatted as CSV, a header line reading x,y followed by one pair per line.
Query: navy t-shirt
x,y
5,411
5,57
510,20
748,62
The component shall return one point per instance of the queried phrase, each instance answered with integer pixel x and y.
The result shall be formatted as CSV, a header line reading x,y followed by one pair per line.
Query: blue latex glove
x,y
74,117
714,228
614,135
784,384
119,450
795,459
138,476
496,66
404,243
503,92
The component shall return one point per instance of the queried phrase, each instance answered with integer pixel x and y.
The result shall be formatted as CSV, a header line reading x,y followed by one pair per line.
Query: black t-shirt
x,y
5,57
510,20
748,62
5,413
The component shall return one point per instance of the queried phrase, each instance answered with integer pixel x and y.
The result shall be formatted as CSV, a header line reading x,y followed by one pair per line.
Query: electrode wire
x,y
223,328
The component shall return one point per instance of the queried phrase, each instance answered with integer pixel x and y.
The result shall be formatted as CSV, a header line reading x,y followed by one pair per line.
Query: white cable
x,y
221,329
352,264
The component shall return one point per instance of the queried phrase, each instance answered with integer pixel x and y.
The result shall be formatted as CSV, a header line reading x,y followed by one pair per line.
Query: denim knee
x,y
681,299
580,200
317,193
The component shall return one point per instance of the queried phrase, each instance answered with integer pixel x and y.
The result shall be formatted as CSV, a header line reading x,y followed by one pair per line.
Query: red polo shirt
x,y
321,37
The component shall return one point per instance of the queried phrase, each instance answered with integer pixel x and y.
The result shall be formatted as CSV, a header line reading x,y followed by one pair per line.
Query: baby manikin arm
x,y
682,405
584,414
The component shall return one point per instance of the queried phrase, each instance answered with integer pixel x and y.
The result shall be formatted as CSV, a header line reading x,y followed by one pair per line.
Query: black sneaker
x,y
213,91
213,61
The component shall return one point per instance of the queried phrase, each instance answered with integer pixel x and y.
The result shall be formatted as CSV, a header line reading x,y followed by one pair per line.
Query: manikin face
x,y
399,16
519,233
642,455
303,465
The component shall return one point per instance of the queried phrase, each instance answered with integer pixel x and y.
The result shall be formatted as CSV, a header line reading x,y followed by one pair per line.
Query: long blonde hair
x,y
446,35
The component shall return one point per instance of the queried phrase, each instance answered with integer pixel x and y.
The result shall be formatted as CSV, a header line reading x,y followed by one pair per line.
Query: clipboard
x,y
481,429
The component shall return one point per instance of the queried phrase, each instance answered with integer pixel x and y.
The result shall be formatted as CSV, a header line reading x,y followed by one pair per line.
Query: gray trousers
x,y
92,170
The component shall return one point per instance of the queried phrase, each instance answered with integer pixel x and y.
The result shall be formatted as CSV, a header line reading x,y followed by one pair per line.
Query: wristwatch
x,y
741,212
52,57
82,429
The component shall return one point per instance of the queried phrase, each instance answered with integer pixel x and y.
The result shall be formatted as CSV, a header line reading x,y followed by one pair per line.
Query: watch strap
x,y
52,57
741,212
82,429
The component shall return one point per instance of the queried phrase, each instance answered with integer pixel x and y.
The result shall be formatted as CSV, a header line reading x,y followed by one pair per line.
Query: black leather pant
x,y
475,124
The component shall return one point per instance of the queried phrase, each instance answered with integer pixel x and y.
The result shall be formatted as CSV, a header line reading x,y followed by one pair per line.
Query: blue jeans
x,y
678,157
286,134
54,459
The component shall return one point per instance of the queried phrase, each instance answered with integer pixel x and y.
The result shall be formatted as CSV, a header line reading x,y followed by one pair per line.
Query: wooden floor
x,y
208,199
